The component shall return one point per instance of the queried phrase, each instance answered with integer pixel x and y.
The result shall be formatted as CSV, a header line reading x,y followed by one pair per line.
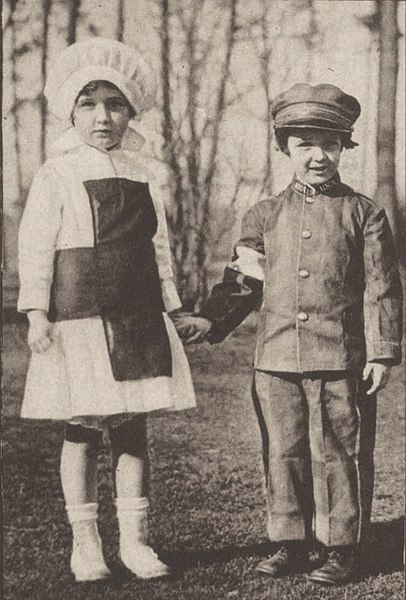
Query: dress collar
x,y
310,190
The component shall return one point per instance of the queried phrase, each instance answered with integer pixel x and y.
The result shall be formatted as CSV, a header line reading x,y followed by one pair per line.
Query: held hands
x,y
39,333
191,329
379,373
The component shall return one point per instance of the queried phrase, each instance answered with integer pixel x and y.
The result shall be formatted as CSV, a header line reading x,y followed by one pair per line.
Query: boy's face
x,y
101,117
315,154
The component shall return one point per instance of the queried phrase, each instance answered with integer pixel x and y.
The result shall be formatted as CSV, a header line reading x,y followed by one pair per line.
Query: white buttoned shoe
x,y
135,553
141,560
87,561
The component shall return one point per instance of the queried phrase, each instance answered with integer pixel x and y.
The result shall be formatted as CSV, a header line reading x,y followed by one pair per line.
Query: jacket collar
x,y
309,190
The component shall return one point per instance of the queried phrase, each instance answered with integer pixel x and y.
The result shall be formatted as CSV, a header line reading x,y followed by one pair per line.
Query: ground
x,y
207,497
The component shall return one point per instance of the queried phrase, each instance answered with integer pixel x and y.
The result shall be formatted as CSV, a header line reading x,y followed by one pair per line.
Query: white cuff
x,y
33,298
170,295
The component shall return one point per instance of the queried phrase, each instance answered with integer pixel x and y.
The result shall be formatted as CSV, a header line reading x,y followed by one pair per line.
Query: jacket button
x,y
304,273
302,316
309,199
306,234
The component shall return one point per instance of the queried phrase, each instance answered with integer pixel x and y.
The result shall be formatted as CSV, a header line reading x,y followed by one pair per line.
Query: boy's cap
x,y
99,59
322,106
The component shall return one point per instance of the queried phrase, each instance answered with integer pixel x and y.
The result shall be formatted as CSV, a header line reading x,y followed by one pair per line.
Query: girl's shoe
x,y
87,563
135,553
143,561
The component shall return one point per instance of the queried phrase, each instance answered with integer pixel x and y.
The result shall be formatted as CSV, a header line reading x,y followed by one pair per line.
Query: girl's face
x,y
101,117
315,154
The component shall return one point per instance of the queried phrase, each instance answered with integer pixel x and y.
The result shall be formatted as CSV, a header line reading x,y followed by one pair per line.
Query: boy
x,y
322,258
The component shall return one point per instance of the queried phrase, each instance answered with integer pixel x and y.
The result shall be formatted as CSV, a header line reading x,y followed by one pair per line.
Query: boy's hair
x,y
282,135
93,86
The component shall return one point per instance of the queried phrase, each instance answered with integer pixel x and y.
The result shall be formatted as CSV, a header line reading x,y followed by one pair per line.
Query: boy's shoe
x,y
285,560
340,568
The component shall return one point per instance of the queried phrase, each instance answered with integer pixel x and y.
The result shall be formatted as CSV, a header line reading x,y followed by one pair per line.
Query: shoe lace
x,y
335,558
281,555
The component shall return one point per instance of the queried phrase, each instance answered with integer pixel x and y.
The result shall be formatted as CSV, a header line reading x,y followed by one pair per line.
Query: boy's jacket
x,y
332,296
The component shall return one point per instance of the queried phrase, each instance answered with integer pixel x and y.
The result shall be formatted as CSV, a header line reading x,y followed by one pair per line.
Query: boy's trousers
x,y
318,432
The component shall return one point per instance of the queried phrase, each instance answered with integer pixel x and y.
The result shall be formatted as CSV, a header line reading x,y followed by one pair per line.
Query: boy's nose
x,y
318,153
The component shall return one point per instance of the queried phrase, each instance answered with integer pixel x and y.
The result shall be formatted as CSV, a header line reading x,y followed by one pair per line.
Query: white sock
x,y
132,514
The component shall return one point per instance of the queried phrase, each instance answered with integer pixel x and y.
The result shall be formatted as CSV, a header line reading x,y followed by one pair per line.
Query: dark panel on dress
x,y
118,279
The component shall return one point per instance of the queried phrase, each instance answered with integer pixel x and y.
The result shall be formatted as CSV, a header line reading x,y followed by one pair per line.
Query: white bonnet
x,y
99,59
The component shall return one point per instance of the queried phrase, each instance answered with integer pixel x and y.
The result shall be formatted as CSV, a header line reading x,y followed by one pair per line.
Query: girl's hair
x,y
283,134
93,86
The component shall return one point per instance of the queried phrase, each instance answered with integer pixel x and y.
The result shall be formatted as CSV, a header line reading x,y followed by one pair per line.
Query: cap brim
x,y
309,126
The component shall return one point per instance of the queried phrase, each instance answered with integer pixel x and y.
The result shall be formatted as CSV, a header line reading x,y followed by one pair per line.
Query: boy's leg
x,y
130,458
342,434
79,484
282,414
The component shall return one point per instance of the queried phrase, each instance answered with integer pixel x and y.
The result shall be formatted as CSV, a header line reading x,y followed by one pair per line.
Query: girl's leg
x,y
79,464
130,458
79,484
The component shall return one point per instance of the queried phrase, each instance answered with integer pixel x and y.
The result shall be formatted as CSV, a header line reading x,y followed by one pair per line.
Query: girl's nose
x,y
101,112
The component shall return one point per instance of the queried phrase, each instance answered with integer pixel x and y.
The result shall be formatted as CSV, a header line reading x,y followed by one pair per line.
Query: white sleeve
x,y
163,255
38,233
249,262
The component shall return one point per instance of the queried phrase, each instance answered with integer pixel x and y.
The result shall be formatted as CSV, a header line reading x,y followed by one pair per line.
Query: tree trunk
x,y
386,134
73,18
15,105
46,9
120,21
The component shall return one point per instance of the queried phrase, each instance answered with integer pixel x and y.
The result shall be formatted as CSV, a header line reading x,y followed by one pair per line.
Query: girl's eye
x,y
116,104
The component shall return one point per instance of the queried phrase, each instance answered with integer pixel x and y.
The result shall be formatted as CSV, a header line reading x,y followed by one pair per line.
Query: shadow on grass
x,y
186,560
383,554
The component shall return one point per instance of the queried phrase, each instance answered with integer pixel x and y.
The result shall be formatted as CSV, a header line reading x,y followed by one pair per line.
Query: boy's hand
x,y
39,333
379,372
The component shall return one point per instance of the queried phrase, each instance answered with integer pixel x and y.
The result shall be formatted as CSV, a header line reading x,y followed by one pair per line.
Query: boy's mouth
x,y
319,169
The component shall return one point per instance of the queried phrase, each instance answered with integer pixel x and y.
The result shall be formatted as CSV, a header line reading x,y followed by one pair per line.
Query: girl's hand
x,y
39,333
200,329
379,372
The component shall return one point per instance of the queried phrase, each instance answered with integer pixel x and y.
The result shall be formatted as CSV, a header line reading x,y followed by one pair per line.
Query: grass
x,y
207,496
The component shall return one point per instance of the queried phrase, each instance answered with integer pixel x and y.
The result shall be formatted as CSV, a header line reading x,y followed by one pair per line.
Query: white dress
x,y
73,380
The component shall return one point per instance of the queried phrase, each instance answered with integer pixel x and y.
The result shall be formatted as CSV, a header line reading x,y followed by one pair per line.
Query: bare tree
x,y
46,9
120,21
265,63
15,109
386,193
192,136
73,18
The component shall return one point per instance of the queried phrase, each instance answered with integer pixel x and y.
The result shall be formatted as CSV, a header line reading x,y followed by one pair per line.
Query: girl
x,y
96,284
